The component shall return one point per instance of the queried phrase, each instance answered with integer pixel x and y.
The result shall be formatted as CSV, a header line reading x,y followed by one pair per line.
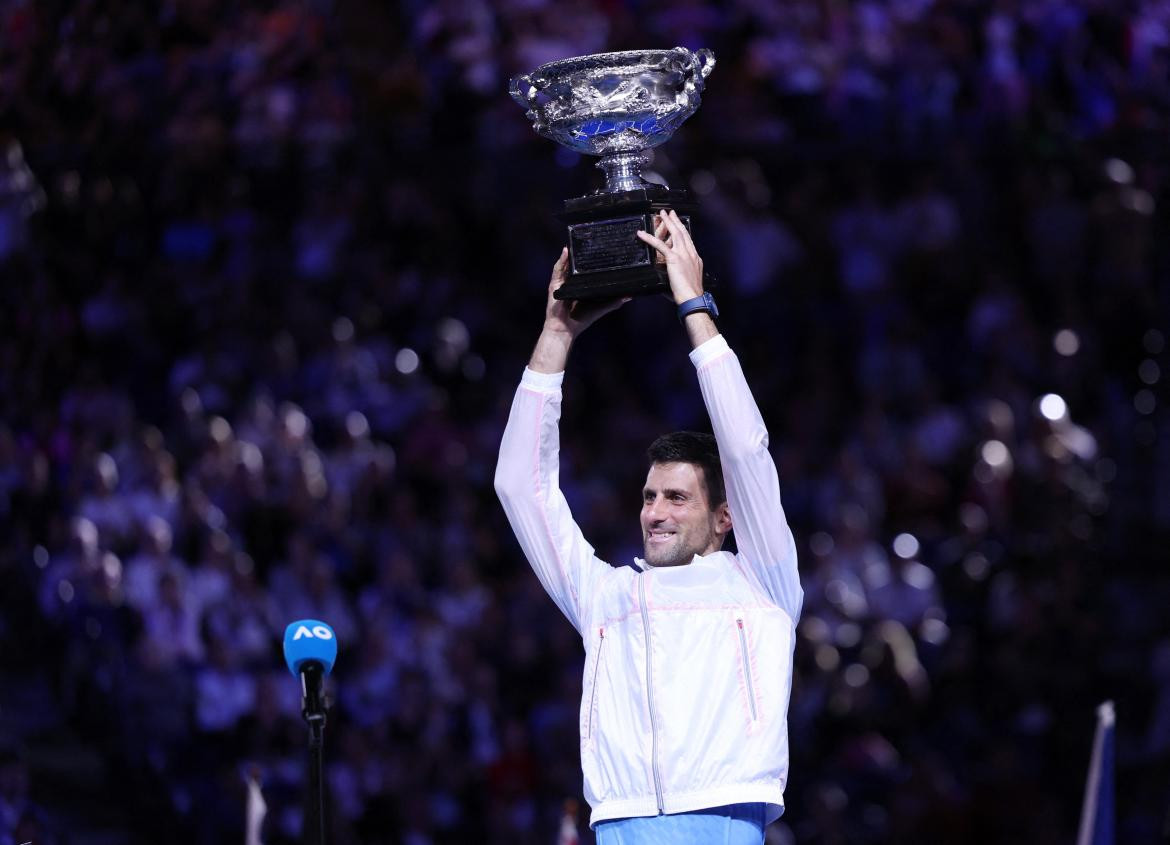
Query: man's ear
x,y
722,520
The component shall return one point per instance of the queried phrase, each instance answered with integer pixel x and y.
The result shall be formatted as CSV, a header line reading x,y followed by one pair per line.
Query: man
x,y
688,653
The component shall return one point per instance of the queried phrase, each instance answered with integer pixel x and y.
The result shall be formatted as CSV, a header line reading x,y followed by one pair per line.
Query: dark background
x,y
271,271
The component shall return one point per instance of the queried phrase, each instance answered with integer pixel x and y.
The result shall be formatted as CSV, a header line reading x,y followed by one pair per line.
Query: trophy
x,y
617,106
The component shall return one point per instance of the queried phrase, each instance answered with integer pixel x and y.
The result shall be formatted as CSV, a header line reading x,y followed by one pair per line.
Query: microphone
x,y
310,649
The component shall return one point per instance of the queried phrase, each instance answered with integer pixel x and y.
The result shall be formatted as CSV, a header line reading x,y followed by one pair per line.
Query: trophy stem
x,y
623,171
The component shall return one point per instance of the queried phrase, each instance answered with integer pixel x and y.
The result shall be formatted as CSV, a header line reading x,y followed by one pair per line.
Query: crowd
x,y
270,275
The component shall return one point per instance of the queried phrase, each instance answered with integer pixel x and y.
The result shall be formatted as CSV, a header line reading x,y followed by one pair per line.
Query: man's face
x,y
677,521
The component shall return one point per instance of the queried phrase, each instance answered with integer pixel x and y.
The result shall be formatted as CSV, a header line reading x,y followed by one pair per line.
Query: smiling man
x,y
684,509
688,652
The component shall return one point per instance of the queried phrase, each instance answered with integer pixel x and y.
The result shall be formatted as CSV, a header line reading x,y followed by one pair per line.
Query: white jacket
x,y
688,669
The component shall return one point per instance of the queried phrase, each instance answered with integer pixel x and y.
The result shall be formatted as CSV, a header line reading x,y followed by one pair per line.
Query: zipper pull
x,y
739,622
601,633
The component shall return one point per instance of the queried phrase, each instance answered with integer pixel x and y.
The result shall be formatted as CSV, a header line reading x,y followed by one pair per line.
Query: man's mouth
x,y
660,536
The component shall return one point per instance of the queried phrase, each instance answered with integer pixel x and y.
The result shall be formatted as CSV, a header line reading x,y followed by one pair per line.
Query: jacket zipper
x,y
650,694
747,673
593,689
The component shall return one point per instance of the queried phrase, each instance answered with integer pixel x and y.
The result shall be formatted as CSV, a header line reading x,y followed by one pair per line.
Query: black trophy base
x,y
607,259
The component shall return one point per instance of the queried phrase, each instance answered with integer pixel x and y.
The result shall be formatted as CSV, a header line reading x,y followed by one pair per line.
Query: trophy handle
x,y
704,62
523,90
698,65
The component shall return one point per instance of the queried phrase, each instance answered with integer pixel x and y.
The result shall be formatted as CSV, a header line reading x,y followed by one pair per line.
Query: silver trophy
x,y
617,106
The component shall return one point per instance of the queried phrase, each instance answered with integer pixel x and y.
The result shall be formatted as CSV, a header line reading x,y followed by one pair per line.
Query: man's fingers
x,y
669,224
586,312
654,242
558,271
610,305
680,237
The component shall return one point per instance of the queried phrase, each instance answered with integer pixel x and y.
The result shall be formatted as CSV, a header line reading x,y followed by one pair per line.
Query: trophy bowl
x,y
616,106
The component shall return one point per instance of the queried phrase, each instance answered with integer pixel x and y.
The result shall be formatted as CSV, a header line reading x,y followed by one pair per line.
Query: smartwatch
x,y
706,302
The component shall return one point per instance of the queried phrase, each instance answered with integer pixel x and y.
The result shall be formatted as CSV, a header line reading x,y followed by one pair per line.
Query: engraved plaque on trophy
x,y
617,106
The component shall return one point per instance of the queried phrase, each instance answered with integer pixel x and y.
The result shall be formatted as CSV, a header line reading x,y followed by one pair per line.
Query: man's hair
x,y
693,447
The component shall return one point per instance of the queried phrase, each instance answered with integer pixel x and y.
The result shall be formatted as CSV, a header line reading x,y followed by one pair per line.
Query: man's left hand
x,y
684,267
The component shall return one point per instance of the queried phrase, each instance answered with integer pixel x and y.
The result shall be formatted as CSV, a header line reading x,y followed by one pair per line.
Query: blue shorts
x,y
731,824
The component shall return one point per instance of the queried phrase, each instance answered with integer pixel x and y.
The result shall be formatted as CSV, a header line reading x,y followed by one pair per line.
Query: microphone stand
x,y
313,712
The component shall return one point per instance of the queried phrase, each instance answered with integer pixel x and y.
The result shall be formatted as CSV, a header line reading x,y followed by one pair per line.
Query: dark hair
x,y
693,447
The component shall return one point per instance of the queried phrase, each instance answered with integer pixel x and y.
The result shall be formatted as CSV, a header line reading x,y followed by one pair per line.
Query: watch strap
x,y
705,302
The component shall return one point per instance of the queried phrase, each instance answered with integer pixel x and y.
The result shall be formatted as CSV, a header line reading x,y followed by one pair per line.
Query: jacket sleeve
x,y
528,484
766,548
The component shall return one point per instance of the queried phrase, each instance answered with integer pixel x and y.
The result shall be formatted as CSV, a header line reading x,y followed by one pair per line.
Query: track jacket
x,y
688,669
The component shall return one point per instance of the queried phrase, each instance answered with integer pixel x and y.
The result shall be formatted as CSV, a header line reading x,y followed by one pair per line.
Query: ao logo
x,y
319,632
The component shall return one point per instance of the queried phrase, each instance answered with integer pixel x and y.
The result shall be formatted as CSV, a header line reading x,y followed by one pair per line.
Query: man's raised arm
x,y
528,473
761,530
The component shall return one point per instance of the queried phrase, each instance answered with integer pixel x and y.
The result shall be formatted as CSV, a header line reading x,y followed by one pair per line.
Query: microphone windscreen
x,y
309,639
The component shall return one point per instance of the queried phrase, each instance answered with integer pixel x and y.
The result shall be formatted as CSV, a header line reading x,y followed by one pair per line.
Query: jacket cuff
x,y
709,350
542,382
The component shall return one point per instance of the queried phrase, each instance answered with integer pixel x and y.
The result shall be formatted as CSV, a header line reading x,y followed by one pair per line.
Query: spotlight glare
x,y
1118,171
994,453
821,544
856,676
703,182
406,361
906,546
1066,342
1053,407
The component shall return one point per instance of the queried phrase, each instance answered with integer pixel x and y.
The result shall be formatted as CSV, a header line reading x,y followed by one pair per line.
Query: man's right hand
x,y
573,316
564,320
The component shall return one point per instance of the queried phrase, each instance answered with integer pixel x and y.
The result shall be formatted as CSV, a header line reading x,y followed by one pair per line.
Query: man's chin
x,y
661,557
